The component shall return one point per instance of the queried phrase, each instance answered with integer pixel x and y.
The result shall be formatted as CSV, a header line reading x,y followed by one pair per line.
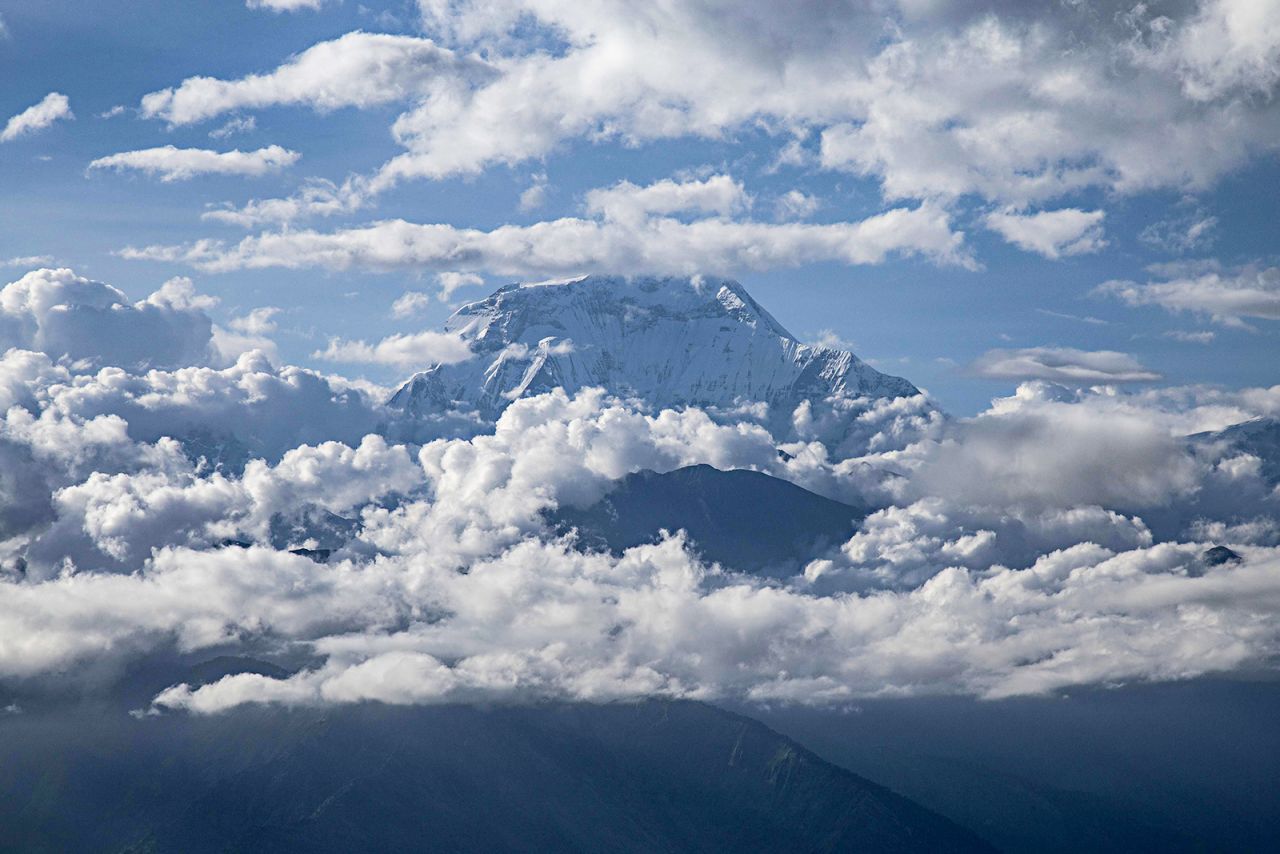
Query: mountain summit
x,y
692,341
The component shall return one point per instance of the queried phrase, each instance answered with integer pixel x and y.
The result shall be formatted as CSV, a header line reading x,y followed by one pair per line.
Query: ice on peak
x,y
671,341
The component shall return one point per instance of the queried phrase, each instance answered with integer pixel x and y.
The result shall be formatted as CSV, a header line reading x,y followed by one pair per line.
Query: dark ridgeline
x,y
644,777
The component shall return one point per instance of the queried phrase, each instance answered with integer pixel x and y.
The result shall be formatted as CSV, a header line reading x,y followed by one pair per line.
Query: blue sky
x,y
1178,152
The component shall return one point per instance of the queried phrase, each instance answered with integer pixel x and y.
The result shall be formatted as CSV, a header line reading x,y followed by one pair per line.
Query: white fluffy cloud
x,y
1005,557
632,232
932,101
180,164
410,303
67,316
420,349
1052,234
356,70
1225,47
51,108
626,202
451,281
942,102
1064,365
1223,296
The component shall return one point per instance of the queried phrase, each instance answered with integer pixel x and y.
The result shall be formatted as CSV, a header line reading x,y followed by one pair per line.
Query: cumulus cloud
x,y
53,107
67,316
1004,554
170,163
1063,364
260,321
987,99
535,195
420,349
629,235
451,281
625,202
980,100
357,70
1226,47
999,635
1223,296
1052,234
1090,455
410,303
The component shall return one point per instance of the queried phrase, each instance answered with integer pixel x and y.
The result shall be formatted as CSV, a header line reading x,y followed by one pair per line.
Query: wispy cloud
x,y
169,163
1227,297
1064,365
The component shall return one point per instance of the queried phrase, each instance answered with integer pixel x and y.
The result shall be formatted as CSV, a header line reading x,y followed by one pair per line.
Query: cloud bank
x,y
1056,539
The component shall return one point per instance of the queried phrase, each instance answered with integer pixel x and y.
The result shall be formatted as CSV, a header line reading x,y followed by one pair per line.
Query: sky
x,y
971,194
229,230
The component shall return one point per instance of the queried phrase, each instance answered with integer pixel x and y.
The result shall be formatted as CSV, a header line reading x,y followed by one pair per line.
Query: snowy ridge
x,y
673,341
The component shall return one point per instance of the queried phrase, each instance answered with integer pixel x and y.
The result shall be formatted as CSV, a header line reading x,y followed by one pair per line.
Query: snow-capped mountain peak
x,y
670,341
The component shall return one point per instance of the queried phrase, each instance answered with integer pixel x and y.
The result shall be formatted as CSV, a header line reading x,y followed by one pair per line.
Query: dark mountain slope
x,y
1259,437
646,777
745,520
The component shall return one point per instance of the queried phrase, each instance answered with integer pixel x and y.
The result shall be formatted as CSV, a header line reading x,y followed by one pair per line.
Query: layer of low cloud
x,y
1047,588
52,108
1063,364
169,163
1054,540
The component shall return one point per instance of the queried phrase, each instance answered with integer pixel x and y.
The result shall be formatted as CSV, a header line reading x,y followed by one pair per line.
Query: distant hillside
x,y
648,777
